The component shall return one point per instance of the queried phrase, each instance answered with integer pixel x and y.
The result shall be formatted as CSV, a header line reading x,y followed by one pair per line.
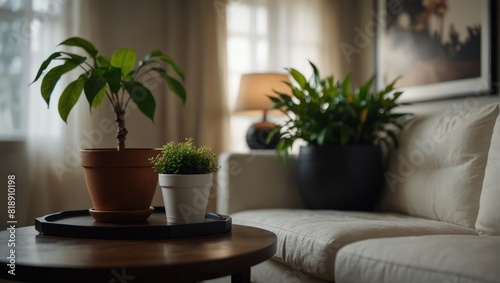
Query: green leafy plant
x,y
116,78
185,158
323,112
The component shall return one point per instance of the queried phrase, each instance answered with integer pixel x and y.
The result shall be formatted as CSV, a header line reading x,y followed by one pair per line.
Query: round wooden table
x,y
42,258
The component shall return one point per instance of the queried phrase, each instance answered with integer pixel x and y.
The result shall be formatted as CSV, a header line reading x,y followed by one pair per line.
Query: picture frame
x,y
436,49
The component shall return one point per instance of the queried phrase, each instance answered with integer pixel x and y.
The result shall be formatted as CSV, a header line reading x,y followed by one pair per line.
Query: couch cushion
x,y
438,170
488,219
308,240
437,258
272,271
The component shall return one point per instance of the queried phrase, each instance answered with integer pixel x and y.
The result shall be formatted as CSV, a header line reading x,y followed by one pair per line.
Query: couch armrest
x,y
255,180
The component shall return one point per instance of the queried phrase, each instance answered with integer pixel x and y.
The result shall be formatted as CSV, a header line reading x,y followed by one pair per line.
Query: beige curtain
x,y
303,30
53,179
196,37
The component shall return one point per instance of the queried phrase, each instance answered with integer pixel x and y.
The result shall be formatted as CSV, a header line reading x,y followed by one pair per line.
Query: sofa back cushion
x,y
438,170
488,219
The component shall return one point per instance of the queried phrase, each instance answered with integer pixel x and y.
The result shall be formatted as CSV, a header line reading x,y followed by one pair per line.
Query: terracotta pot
x,y
120,180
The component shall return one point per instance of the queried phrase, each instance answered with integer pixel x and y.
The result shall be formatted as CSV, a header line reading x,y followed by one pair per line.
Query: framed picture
x,y
437,48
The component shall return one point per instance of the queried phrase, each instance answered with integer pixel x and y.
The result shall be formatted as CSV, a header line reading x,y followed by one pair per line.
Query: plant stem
x,y
122,131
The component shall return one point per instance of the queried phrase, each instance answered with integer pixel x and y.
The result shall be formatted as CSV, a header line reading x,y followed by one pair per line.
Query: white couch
x,y
438,218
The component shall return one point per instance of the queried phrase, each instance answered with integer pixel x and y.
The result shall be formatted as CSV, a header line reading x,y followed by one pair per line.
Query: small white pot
x,y
185,197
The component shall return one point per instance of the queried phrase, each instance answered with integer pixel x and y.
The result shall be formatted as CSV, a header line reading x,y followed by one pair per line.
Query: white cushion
x,y
308,240
438,258
488,219
272,271
438,170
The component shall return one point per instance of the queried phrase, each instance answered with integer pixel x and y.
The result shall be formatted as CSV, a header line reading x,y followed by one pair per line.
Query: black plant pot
x,y
340,177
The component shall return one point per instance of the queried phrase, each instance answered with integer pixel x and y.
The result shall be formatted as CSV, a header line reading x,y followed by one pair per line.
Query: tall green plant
x,y
323,112
118,79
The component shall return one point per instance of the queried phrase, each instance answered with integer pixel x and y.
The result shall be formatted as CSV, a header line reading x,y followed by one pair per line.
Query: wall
x,y
13,160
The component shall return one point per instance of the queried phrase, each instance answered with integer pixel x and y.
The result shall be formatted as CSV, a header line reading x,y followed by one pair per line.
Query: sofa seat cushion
x,y
436,258
308,240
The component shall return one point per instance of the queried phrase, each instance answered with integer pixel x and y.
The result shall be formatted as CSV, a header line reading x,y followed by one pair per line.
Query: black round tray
x,y
79,224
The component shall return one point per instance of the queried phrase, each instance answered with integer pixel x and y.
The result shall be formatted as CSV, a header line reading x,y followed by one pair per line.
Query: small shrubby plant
x,y
185,158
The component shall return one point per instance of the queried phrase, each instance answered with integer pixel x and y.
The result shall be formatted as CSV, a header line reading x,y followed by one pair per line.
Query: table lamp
x,y
252,99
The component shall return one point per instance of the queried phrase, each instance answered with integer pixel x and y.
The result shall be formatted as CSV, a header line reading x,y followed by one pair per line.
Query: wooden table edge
x,y
239,271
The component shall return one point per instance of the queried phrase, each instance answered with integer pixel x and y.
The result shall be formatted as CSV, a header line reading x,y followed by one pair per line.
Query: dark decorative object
x,y
258,134
79,224
340,177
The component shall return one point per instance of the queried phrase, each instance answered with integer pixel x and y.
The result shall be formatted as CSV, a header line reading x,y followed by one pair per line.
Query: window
x,y
12,61
269,36
20,22
247,43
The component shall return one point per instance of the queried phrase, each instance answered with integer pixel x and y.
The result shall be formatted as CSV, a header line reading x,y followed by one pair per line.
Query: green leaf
x,y
147,58
70,96
365,88
346,86
165,58
298,77
285,98
113,78
275,131
172,65
316,76
82,43
124,59
99,98
142,97
45,64
282,148
321,136
397,94
104,61
390,87
174,85
52,77
92,88
75,57
274,99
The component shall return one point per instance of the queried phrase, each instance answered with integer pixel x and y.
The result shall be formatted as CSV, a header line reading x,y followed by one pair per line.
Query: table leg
x,y
241,277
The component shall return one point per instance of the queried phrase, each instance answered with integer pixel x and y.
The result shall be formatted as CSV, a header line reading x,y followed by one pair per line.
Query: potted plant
x,y
185,177
120,181
344,128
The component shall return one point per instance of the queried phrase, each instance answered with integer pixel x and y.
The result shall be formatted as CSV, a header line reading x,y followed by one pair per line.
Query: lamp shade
x,y
254,89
